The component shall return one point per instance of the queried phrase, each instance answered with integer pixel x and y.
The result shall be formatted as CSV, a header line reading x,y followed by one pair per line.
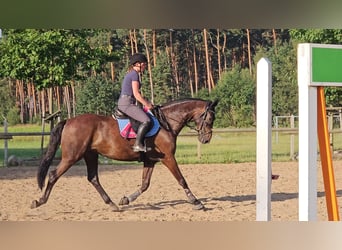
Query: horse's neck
x,y
178,120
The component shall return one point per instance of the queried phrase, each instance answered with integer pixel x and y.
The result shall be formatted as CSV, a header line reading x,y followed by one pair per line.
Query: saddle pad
x,y
127,131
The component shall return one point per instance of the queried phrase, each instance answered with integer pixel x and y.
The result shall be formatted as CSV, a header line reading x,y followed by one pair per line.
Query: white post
x,y
307,138
292,125
264,140
5,144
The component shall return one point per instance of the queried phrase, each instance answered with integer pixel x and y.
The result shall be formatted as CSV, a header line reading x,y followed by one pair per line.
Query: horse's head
x,y
204,122
180,113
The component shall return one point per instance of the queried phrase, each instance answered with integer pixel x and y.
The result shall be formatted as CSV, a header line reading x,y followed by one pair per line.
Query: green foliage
x,y
13,116
56,57
97,95
328,36
51,57
7,100
236,94
333,96
163,90
203,94
284,78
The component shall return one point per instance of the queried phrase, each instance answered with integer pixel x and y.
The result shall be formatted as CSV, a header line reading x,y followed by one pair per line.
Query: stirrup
x,y
138,148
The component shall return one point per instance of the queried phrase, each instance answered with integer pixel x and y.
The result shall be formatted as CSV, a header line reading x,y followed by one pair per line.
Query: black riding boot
x,y
142,131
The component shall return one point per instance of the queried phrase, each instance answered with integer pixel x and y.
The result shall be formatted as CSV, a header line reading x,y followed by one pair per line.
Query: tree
x,y
7,100
97,95
236,93
50,58
284,78
50,64
328,36
163,91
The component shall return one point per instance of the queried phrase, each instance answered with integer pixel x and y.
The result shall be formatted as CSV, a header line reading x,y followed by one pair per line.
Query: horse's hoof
x,y
124,201
115,208
34,204
198,206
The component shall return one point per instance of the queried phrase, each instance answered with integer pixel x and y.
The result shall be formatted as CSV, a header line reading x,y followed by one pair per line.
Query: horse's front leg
x,y
172,165
146,179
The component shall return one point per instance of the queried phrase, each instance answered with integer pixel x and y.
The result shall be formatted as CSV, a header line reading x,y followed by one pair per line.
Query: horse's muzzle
x,y
204,139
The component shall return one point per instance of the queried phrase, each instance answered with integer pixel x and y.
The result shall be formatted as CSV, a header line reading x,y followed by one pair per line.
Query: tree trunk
x,y
189,69
274,40
234,60
223,50
174,65
50,99
149,66
42,103
67,100
112,71
133,41
218,52
34,101
207,59
195,63
154,47
30,101
21,95
58,97
249,52
73,99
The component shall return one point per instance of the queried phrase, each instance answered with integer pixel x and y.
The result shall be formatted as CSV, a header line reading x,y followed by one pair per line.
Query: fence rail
x,y
293,132
13,134
10,135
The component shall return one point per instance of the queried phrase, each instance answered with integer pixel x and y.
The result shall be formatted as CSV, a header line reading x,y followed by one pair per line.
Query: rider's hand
x,y
149,105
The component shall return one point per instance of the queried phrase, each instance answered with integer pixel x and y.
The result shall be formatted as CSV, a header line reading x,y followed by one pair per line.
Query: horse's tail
x,y
55,141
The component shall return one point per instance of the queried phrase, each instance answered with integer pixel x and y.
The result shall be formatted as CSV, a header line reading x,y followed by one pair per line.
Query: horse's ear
x,y
213,104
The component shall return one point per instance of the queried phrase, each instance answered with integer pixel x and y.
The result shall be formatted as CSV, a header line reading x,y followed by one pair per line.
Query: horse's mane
x,y
180,101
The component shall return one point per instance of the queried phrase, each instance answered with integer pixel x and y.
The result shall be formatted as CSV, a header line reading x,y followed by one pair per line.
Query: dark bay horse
x,y
86,136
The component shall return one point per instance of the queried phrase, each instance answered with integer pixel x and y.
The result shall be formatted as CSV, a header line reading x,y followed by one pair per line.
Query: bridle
x,y
203,122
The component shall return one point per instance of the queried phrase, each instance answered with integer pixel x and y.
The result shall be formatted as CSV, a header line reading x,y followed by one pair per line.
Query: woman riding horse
x,y
89,135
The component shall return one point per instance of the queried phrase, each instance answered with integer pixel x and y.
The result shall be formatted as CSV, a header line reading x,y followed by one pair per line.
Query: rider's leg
x,y
139,144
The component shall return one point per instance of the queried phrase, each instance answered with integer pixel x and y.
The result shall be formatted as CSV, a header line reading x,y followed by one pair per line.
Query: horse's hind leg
x,y
146,179
54,175
91,159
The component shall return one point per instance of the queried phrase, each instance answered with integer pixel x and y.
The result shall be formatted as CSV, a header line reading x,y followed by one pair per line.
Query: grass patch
x,y
224,147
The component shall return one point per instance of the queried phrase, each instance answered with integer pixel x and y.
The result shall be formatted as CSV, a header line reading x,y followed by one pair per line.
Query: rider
x,y
131,97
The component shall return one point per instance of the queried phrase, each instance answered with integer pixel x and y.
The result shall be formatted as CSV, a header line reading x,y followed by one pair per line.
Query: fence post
x,y
330,127
276,126
340,116
5,144
264,140
292,124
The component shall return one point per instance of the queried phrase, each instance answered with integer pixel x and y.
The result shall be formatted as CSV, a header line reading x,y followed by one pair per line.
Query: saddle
x,y
128,126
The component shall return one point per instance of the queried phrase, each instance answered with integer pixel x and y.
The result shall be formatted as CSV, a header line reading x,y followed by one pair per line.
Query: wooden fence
x,y
292,131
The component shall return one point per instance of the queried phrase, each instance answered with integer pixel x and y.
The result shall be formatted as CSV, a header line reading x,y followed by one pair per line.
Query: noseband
x,y
203,117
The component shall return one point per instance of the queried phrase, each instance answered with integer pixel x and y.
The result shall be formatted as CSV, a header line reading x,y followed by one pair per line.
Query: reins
x,y
159,114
